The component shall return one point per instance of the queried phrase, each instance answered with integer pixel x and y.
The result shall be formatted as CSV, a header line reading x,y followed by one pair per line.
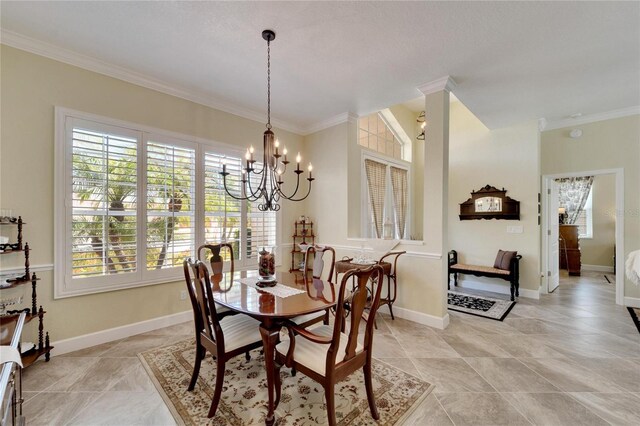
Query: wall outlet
x,y
183,295
515,229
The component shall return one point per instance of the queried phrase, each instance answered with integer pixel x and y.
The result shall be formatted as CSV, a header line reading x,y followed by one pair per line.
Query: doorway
x,y
550,229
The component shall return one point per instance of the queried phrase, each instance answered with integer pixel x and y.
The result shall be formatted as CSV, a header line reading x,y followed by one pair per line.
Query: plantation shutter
x,y
261,226
222,213
103,200
170,205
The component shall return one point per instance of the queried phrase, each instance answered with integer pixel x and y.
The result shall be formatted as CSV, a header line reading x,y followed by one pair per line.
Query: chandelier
x,y
423,124
269,190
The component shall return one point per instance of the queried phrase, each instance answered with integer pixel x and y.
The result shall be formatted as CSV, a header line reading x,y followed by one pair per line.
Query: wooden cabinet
x,y
570,249
302,234
10,284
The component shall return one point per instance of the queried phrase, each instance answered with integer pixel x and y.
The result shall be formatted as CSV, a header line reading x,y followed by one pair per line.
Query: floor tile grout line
x,y
444,409
585,406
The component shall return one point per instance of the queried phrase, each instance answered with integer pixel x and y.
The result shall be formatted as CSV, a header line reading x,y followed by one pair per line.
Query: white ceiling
x,y
512,61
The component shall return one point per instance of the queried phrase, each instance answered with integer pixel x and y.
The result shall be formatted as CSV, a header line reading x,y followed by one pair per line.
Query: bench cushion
x,y
477,268
503,259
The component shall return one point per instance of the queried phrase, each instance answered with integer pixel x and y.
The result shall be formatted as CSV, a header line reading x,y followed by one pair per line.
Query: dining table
x,y
296,293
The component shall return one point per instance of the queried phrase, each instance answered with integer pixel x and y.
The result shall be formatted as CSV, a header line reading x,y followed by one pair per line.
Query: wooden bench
x,y
512,274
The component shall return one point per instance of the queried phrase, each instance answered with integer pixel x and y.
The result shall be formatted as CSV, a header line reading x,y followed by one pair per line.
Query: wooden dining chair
x,y
214,254
328,355
224,338
318,254
392,277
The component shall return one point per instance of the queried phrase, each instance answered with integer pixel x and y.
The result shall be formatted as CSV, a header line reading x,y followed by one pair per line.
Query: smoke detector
x,y
575,133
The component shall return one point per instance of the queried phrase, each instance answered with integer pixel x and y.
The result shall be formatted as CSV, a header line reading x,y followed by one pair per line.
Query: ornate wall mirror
x,y
490,203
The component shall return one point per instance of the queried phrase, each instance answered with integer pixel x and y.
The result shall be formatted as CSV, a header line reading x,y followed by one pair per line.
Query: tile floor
x,y
571,358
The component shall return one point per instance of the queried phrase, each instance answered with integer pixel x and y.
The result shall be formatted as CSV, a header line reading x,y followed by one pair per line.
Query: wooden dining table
x,y
271,310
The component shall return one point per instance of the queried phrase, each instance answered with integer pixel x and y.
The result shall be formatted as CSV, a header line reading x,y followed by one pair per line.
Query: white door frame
x,y
549,218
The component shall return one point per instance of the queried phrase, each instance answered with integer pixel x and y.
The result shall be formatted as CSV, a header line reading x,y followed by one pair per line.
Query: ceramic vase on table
x,y
266,265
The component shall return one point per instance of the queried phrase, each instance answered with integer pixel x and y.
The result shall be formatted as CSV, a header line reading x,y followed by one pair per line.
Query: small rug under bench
x,y
482,306
244,396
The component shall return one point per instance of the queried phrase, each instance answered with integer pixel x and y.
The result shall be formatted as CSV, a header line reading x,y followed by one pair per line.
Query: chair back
x,y
204,307
318,260
216,259
392,258
359,300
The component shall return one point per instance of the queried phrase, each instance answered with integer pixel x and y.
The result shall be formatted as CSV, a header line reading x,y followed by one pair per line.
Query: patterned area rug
x,y
245,391
635,315
481,306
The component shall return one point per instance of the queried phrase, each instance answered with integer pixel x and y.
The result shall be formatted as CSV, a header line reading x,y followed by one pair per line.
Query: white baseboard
x,y
634,302
421,318
598,268
495,288
103,336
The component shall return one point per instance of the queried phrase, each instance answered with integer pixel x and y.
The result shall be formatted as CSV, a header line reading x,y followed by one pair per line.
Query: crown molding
x,y
542,124
69,57
330,122
592,118
445,83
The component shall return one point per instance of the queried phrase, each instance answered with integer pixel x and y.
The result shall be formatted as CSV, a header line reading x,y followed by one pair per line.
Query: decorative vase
x,y
266,264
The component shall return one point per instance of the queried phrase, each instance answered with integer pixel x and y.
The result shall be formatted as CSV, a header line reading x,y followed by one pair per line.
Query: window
x,y
375,134
585,218
128,203
386,197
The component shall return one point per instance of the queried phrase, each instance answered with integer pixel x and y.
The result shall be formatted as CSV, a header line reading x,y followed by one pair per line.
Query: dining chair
x,y
224,338
391,277
318,253
328,355
216,260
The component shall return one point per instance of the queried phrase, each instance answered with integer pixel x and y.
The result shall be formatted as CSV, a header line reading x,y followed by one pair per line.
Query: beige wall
x,y
605,144
506,158
31,87
598,251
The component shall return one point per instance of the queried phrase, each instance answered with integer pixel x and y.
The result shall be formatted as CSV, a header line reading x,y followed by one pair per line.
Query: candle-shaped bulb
x,y
278,171
284,151
423,125
310,167
251,149
247,155
277,143
298,158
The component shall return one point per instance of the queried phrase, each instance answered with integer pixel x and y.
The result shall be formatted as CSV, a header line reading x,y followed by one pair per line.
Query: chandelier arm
x,y
290,197
241,198
300,199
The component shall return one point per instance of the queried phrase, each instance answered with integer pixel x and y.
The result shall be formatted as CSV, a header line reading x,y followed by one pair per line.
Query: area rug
x,y
635,315
487,307
244,396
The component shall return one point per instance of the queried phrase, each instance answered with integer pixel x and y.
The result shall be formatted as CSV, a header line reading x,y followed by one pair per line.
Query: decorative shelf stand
x,y
8,320
302,234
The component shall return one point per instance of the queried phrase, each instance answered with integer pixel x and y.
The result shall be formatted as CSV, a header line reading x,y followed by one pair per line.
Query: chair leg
x,y
200,353
331,406
369,386
391,311
278,384
217,392
293,372
247,356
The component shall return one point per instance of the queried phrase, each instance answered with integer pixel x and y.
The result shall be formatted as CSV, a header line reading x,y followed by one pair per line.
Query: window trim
x,y
63,284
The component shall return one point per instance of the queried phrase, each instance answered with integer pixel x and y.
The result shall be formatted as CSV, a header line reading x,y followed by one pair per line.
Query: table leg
x,y
270,335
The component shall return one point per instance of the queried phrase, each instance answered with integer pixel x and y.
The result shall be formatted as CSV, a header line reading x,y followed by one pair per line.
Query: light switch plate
x,y
515,229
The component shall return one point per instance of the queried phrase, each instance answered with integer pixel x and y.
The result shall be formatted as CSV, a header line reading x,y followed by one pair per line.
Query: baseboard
x,y
103,336
495,288
421,318
598,268
634,302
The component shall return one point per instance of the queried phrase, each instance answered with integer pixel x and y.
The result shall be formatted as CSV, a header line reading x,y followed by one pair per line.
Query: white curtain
x,y
400,186
573,193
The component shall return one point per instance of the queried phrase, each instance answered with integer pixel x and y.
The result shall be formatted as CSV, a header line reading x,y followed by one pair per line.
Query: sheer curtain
x,y
399,184
573,193
377,185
